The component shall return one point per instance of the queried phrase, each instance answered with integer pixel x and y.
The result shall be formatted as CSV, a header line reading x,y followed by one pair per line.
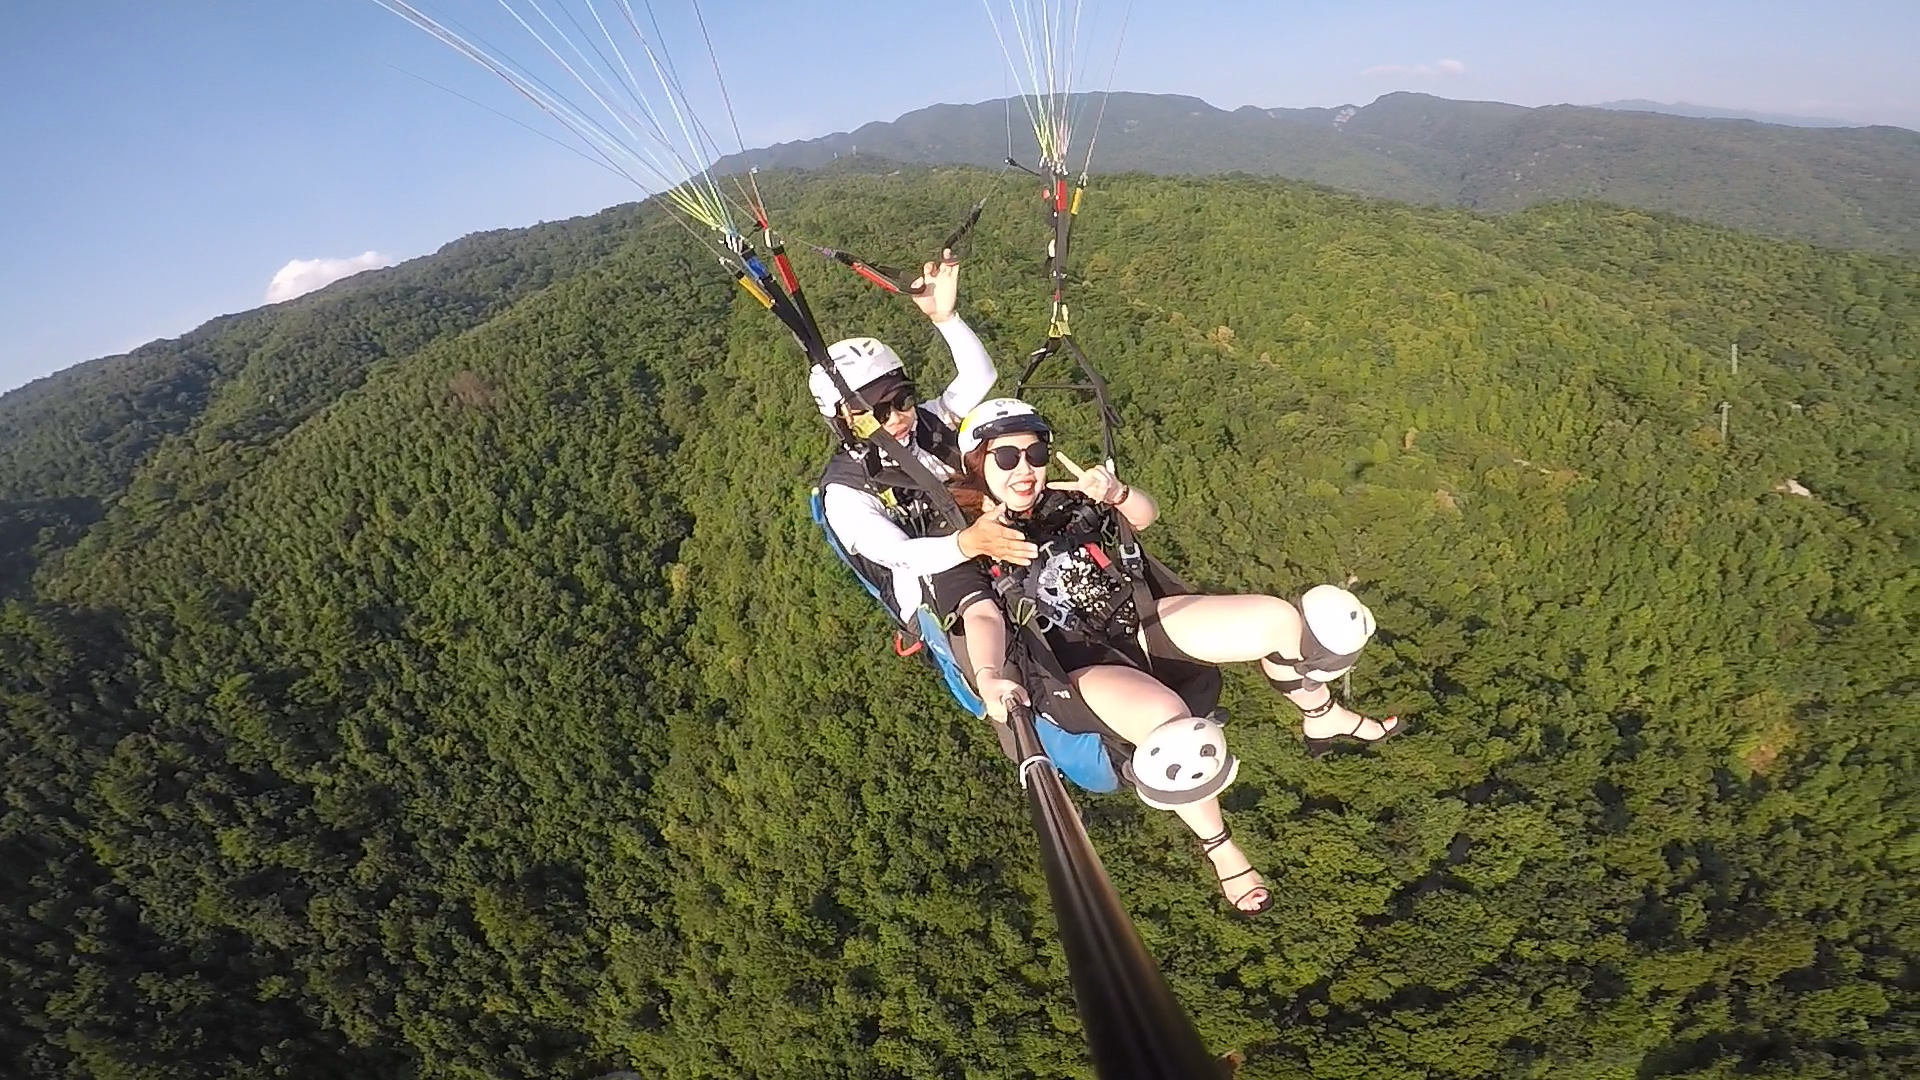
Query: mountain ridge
x,y
1716,112
1853,188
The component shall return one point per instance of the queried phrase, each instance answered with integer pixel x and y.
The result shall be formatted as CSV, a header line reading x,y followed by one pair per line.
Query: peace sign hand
x,y
1097,483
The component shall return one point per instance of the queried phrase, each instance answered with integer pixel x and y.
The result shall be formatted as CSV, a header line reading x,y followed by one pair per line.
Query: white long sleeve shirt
x,y
860,519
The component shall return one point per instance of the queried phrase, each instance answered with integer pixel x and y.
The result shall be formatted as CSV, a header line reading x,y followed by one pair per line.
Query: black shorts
x,y
1075,652
1194,680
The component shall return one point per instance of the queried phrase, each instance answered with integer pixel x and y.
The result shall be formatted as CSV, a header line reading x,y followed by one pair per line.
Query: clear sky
x,y
165,161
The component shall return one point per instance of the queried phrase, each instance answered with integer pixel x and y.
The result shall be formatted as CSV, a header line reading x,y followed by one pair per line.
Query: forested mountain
x,y
1852,188
439,676
71,442
1709,112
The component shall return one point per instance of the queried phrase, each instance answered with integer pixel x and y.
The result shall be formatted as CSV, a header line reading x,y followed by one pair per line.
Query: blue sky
x,y
164,161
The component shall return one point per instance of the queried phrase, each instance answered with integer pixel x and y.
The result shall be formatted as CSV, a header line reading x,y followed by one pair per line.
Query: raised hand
x,y
936,292
1097,483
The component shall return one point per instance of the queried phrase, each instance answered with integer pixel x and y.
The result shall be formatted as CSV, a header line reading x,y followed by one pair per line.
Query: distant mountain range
x,y
1839,187
1712,112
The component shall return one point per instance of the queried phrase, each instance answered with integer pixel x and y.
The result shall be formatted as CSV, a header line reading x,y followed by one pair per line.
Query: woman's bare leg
x,y
1230,865
1231,629
1133,703
1128,700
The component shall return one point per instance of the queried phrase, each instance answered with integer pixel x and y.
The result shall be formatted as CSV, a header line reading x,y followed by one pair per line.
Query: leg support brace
x,y
1285,687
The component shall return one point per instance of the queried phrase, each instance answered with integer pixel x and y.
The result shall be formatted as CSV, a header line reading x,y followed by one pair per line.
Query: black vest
x,y
906,502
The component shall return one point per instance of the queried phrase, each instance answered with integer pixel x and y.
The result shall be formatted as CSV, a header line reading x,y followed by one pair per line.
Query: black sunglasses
x,y
902,401
1009,456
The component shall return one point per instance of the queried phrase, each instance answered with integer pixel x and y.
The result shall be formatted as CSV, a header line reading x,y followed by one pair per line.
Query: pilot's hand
x,y
936,292
994,538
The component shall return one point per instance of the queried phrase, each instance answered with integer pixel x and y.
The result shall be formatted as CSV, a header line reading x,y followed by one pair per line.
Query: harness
x,y
902,487
1079,588
1068,728
1130,589
906,498
1134,581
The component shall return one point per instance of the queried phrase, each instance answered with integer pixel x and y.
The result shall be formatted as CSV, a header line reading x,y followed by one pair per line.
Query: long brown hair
x,y
969,488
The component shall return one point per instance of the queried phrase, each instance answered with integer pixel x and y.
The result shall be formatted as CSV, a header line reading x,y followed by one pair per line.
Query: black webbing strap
x,y
1145,604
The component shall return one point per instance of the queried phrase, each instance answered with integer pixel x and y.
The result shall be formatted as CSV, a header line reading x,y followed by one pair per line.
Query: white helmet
x,y
1184,760
1340,624
859,361
999,416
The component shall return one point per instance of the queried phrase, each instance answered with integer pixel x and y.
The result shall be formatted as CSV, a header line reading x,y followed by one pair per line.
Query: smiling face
x,y
1013,480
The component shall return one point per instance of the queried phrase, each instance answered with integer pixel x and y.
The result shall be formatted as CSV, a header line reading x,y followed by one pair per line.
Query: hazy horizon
x,y
177,166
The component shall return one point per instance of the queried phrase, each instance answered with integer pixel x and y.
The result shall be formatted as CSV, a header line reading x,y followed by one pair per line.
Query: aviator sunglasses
x,y
1006,457
901,401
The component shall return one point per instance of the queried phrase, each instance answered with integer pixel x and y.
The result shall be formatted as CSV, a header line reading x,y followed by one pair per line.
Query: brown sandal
x,y
1208,847
1390,727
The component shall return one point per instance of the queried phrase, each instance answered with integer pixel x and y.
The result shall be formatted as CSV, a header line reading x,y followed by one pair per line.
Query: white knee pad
x,y
1337,627
1184,760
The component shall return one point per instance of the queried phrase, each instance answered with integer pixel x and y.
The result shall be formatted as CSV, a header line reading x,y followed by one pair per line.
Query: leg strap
x,y
1284,686
1212,842
1321,709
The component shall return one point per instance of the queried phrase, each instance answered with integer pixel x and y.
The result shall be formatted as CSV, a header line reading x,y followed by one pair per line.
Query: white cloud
x,y
302,276
1441,68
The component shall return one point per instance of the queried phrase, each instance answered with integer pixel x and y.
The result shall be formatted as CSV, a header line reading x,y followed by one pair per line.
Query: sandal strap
x,y
1388,728
1263,887
1265,902
1213,843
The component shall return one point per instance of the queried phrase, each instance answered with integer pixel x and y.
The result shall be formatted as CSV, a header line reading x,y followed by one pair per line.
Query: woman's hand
x,y
1097,483
997,691
937,289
